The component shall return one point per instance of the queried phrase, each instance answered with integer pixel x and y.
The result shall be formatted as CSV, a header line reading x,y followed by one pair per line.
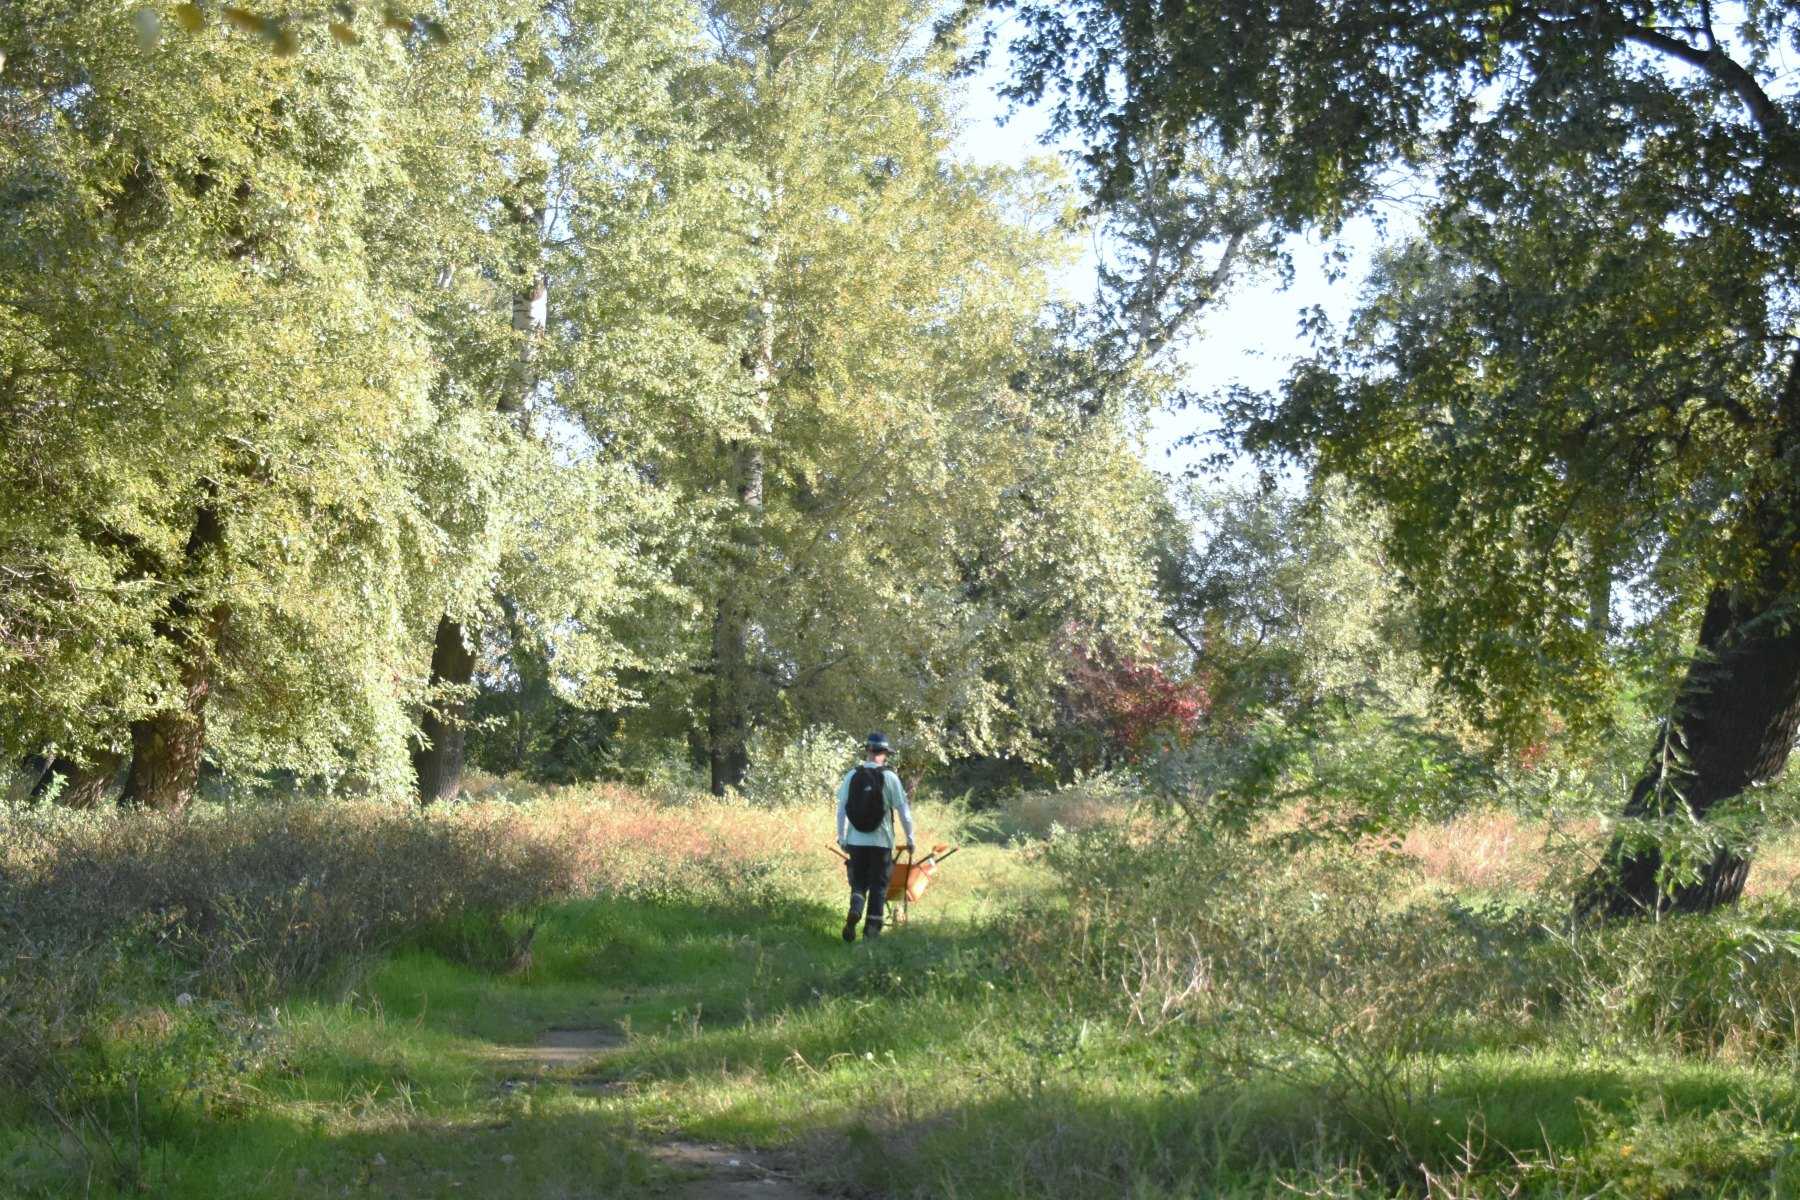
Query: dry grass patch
x,y
1491,851
1775,872
1500,851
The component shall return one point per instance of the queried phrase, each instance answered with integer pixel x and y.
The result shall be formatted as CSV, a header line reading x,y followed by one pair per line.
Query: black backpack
x,y
867,804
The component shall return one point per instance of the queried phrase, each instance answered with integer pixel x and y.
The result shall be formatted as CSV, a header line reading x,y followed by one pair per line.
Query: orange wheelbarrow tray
x,y
910,877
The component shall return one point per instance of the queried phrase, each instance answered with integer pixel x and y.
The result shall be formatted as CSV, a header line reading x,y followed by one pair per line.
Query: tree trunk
x,y
1734,725
167,746
438,762
728,718
86,786
1738,709
728,724
1599,595
530,317
533,682
166,749
29,779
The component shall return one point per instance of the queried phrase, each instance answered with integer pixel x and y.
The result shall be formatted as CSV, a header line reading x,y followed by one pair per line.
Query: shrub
x,y
253,901
1657,1154
1359,770
1102,799
1728,984
1312,969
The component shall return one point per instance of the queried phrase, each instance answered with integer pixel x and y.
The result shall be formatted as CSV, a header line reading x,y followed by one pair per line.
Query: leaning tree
x,y
1583,370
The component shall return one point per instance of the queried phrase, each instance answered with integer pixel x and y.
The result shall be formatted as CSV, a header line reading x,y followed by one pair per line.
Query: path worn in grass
x,y
673,1045
696,1171
723,1173
656,1046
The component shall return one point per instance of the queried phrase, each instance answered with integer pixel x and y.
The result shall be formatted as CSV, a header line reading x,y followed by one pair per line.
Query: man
x,y
867,801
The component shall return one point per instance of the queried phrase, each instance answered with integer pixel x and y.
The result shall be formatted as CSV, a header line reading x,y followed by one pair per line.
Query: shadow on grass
x,y
1566,1128
910,1068
406,1059
660,966
556,1153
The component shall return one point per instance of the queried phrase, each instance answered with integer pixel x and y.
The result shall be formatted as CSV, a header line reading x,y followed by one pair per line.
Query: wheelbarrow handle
x,y
907,849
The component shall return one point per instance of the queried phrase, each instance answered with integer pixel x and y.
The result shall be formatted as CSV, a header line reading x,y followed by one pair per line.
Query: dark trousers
x,y
869,869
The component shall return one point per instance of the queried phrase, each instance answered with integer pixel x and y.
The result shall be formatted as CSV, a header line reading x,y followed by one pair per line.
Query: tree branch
x,y
1722,67
1787,411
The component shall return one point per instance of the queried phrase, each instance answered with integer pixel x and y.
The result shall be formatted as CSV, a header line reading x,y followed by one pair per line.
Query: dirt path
x,y
703,1172
724,1173
561,1049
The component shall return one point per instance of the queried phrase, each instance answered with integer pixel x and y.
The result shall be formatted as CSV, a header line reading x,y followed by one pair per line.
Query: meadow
x,y
323,999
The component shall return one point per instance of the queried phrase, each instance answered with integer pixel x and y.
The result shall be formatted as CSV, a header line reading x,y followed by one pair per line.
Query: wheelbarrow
x,y
910,878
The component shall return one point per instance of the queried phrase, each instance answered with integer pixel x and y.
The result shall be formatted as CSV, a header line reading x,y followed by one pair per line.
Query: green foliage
x,y
1376,771
375,329
205,310
1289,604
538,735
1728,987
926,515
1321,701
279,299
798,772
284,33
1579,374
1654,1152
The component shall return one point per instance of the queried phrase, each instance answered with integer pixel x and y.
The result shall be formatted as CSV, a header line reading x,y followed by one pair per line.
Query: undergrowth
x,y
314,1000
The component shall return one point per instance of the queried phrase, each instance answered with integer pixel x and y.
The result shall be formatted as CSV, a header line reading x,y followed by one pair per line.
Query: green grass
x,y
915,1066
408,1064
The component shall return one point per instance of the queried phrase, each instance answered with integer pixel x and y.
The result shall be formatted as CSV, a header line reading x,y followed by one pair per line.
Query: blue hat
x,y
878,744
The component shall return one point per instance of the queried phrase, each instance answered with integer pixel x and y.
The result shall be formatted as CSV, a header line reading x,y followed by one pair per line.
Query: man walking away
x,y
867,801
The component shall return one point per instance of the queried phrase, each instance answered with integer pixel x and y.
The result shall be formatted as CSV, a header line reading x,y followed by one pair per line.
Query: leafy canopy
x,y
1579,376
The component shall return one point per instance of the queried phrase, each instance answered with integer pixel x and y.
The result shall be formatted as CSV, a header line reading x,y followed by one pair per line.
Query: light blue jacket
x,y
894,793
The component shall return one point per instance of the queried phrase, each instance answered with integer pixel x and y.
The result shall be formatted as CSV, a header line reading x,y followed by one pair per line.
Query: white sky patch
x,y
1252,338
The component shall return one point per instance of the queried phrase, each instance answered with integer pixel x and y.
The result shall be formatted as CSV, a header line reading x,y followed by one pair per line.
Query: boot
x,y
852,919
871,928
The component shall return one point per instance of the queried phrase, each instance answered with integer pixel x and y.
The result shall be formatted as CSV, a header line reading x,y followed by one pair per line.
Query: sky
x,y
1250,339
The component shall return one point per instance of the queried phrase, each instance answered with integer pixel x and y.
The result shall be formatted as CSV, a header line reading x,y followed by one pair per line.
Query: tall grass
x,y
1108,1005
143,930
1408,996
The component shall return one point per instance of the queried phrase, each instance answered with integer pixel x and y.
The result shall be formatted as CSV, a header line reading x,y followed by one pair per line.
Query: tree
x,y
1322,707
216,395
1130,703
616,229
1585,375
902,527
287,390
1287,602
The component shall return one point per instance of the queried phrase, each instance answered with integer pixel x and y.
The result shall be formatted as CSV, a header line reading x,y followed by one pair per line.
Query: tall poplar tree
x,y
904,525
608,224
213,386
286,384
